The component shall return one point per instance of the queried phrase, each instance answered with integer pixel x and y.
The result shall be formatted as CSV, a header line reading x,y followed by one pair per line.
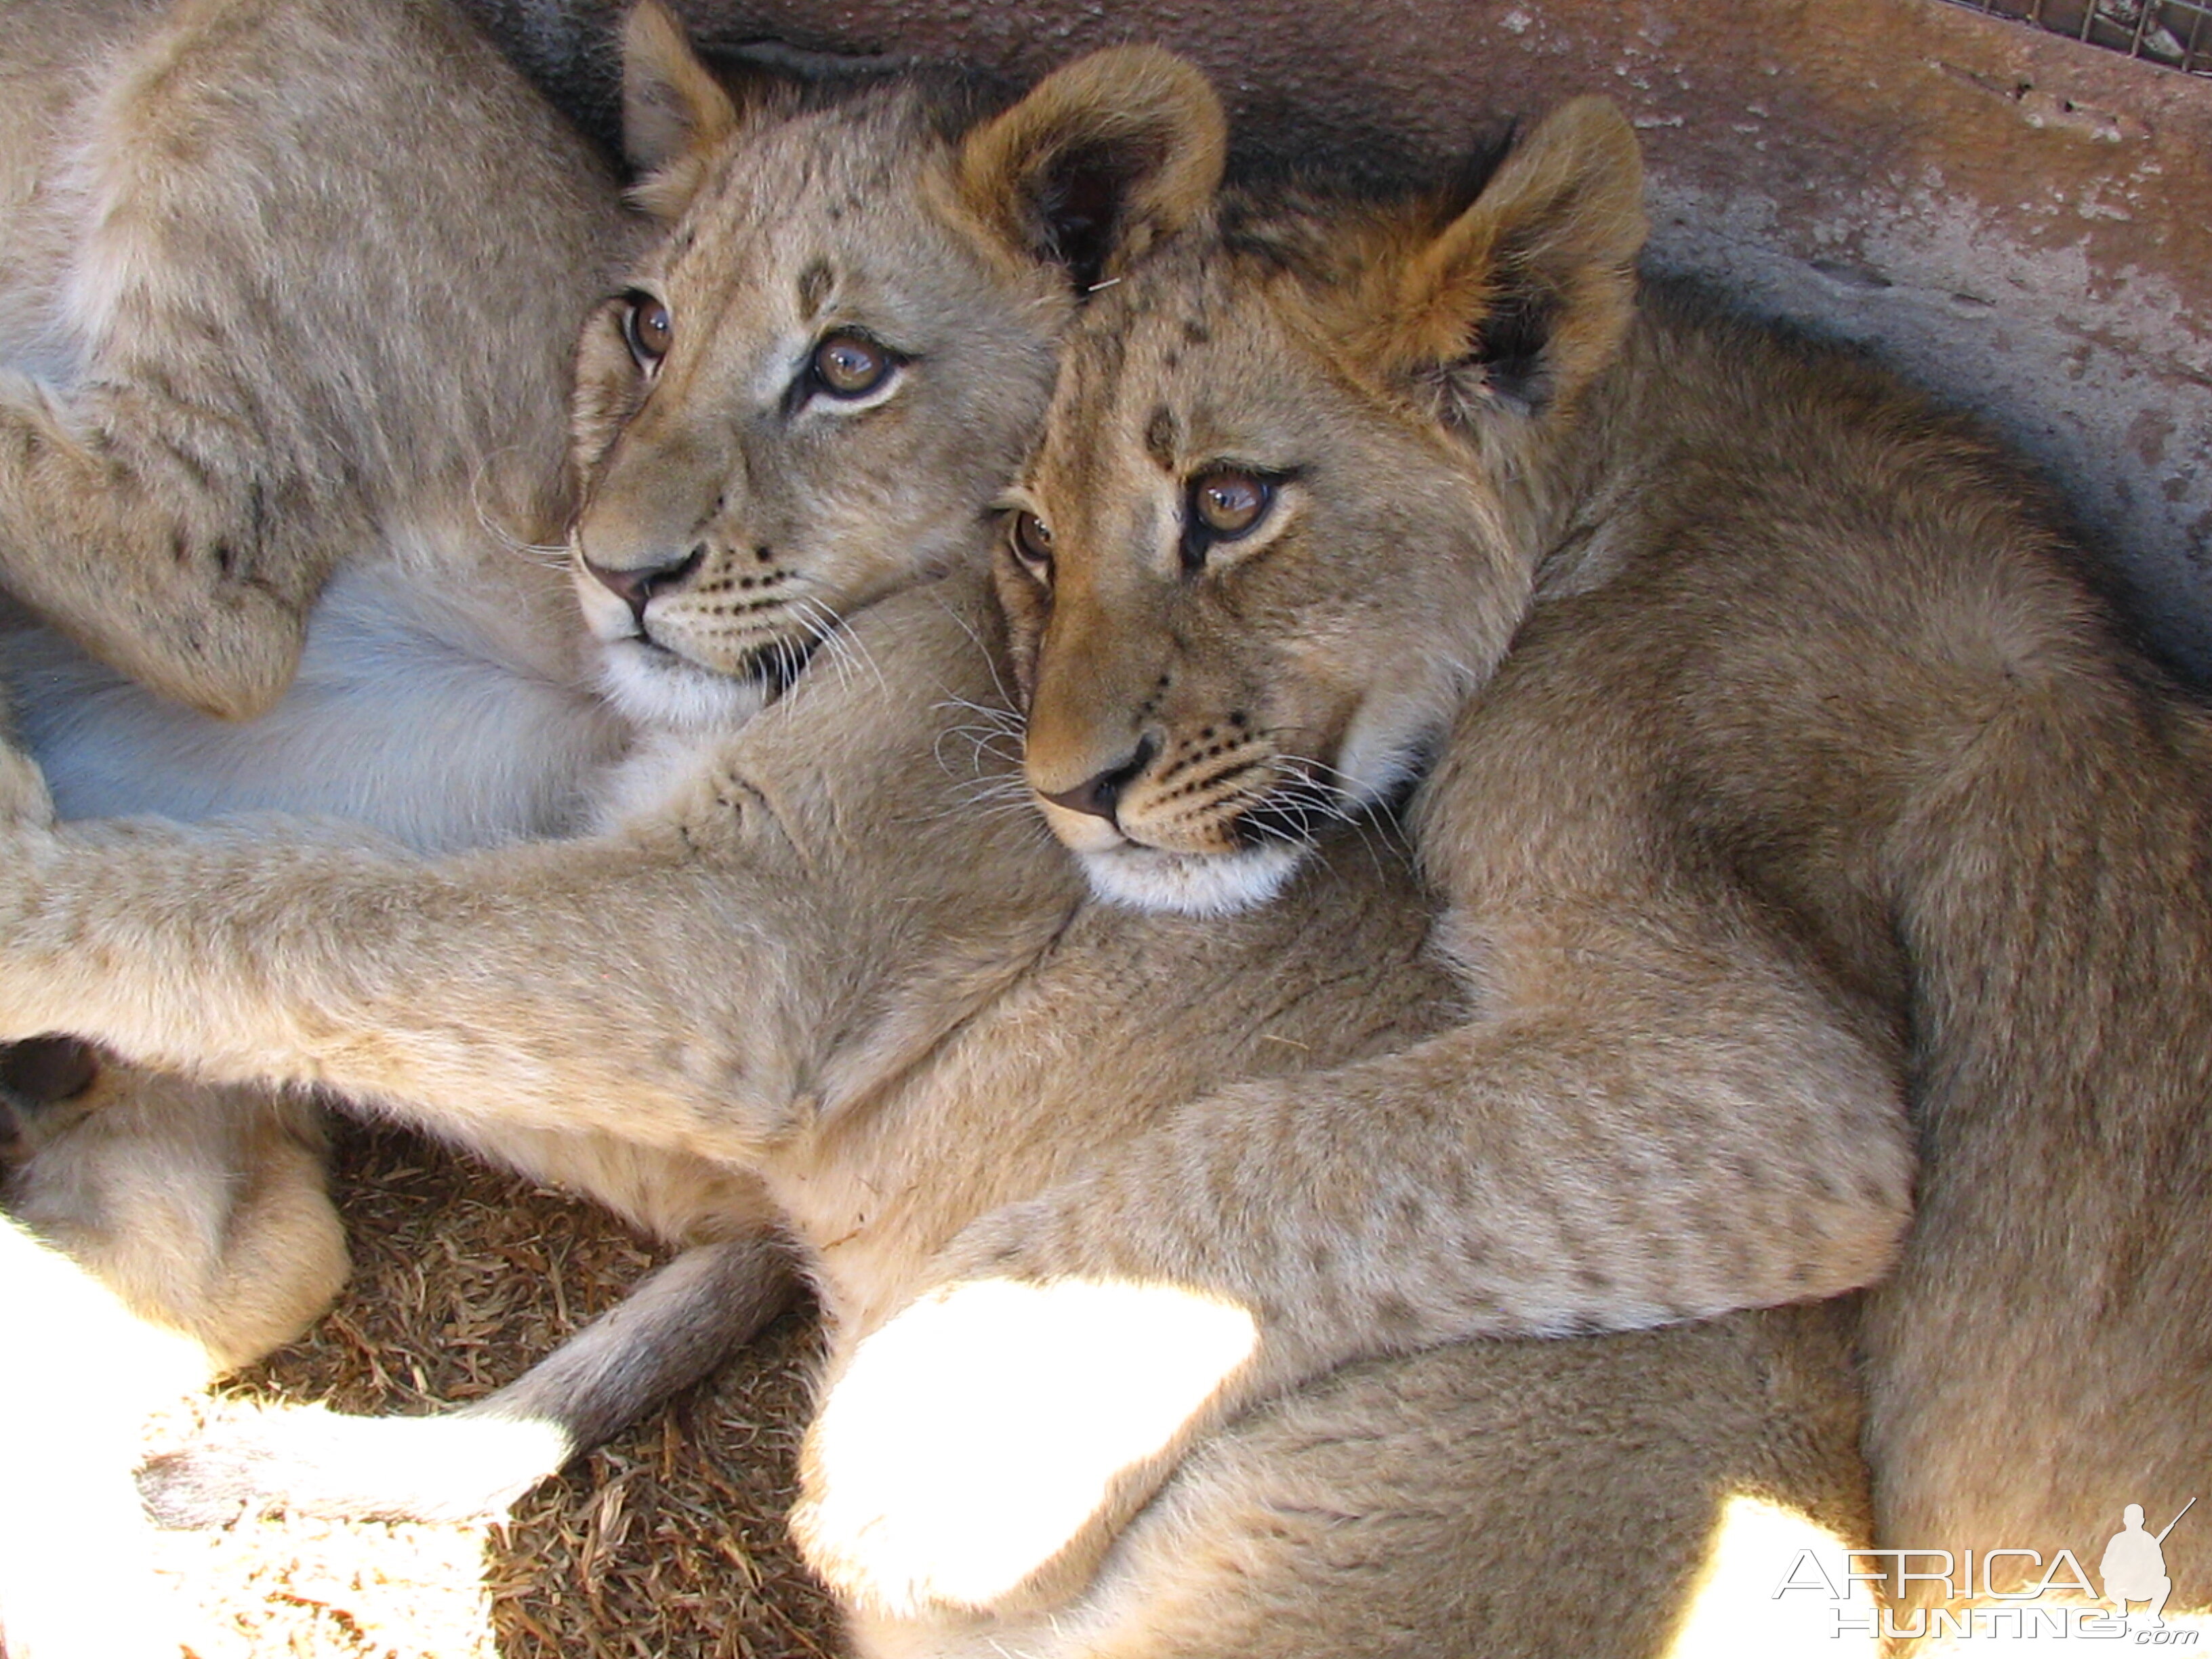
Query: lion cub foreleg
x,y
1683,1126
474,994
689,984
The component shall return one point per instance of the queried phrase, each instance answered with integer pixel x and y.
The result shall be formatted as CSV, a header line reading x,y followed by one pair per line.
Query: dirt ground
x,y
667,1544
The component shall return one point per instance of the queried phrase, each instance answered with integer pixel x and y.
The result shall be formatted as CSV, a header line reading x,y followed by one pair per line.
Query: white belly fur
x,y
405,718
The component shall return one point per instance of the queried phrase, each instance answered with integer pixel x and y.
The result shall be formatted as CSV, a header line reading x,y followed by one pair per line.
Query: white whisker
x,y
552,557
990,661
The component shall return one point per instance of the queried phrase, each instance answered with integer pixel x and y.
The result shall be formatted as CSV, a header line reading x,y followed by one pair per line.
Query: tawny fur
x,y
210,410
288,292
1797,806
201,1208
832,952
249,280
902,1035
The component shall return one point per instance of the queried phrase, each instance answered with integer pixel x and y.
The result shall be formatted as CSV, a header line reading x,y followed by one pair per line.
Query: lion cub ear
x,y
1101,158
1527,293
674,111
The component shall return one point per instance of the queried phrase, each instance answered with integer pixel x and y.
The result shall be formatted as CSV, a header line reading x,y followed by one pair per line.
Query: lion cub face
x,y
812,391
1283,519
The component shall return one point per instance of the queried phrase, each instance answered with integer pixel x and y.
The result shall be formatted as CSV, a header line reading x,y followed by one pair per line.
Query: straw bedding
x,y
669,1543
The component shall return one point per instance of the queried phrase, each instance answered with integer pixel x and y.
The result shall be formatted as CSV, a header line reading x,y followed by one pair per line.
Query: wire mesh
x,y
2175,33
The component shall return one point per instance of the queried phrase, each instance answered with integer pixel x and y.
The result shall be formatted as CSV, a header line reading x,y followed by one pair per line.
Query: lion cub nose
x,y
635,587
1099,795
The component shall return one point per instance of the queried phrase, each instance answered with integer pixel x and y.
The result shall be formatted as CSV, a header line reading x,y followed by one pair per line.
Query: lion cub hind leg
x,y
221,411
204,1209
197,603
1631,1497
682,1323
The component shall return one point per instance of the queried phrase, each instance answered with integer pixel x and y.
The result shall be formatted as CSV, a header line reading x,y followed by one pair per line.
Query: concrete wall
x,y
2017,221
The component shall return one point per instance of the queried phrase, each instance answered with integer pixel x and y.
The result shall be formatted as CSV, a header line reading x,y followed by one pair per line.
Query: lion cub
x,y
814,951
261,307
416,440
1797,805
907,315
288,294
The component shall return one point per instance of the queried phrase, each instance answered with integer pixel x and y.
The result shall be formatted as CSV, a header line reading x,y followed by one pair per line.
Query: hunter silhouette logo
x,y
2134,1567
1967,1602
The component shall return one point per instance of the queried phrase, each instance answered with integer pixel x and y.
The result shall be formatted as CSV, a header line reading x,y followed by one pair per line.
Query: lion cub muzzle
x,y
770,646
698,617
1199,815
1166,781
636,587
1215,790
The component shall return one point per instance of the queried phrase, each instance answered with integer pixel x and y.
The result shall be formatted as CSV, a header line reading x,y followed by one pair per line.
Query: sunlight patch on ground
x,y
336,1590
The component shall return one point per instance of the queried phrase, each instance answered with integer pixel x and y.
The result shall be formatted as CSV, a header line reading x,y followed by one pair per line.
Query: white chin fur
x,y
656,688
1192,883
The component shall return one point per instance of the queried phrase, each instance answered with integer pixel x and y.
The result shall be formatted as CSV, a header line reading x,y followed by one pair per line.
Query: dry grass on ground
x,y
668,1543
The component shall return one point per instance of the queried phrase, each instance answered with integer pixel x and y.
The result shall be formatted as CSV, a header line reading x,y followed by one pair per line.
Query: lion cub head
x,y
1289,503
811,392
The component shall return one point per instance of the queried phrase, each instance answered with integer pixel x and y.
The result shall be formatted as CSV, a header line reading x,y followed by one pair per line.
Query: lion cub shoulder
x,y
262,305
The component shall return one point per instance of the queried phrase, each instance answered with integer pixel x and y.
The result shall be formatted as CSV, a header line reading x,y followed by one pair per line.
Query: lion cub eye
x,y
1229,503
1033,545
847,365
1225,505
648,330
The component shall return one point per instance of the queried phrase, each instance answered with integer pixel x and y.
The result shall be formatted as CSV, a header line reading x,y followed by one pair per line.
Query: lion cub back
x,y
281,288
297,286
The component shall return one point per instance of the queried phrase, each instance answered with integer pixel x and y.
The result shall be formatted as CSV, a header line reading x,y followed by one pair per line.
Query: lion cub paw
x,y
995,1429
